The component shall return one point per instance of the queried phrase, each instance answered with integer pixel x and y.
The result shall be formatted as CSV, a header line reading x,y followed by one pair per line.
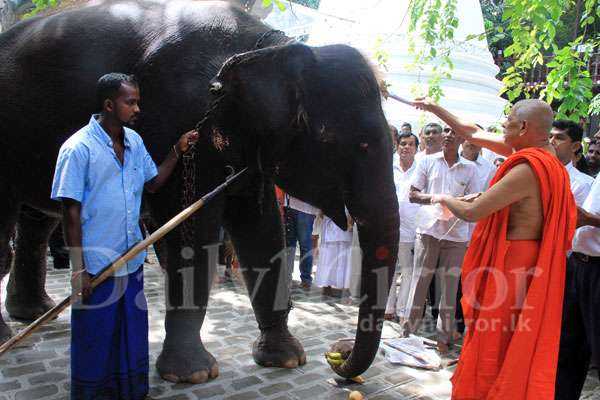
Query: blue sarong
x,y
109,342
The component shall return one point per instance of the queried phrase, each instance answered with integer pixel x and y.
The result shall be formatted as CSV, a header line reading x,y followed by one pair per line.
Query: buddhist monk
x,y
514,271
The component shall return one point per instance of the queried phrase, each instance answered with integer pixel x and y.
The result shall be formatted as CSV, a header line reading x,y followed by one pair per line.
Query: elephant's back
x,y
50,66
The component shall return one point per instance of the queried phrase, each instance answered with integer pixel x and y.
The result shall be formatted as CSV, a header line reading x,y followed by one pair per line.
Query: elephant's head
x,y
311,119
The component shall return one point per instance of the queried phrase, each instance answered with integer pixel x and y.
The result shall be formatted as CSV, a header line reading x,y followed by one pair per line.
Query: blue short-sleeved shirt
x,y
88,170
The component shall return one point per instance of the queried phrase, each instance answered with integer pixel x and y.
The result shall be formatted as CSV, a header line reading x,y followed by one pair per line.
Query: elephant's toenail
x,y
291,364
199,377
214,371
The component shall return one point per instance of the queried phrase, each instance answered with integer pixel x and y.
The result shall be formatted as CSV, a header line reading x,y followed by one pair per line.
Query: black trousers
x,y
580,332
58,250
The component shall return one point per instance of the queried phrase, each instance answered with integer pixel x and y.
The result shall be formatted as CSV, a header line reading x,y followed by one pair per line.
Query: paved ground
x,y
40,370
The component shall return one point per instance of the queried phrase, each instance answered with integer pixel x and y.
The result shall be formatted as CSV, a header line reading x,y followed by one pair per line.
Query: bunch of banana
x,y
335,360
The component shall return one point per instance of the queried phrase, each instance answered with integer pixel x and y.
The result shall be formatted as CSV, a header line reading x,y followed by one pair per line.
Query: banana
x,y
333,362
358,379
334,356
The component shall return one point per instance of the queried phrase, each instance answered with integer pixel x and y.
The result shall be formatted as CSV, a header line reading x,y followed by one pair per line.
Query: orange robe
x,y
513,295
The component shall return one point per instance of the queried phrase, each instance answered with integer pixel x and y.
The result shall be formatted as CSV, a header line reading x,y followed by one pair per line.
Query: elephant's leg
x,y
259,244
26,296
184,357
8,219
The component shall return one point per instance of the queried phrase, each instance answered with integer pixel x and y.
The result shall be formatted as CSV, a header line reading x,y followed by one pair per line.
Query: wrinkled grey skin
x,y
308,119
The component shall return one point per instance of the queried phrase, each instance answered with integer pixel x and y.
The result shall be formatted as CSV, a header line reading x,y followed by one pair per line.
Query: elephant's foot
x,y
28,308
190,365
276,347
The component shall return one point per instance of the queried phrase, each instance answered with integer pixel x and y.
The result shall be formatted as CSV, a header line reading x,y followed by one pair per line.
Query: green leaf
x,y
266,3
280,5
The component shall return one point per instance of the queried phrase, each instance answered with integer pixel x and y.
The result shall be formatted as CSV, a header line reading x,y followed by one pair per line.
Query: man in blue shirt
x,y
100,175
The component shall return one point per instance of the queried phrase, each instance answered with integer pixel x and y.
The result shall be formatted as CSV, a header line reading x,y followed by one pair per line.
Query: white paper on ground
x,y
410,351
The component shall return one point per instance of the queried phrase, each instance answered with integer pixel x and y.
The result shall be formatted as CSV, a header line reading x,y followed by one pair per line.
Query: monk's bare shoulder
x,y
523,176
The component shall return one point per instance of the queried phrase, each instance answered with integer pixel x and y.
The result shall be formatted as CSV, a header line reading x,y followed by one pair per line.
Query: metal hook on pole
x,y
122,260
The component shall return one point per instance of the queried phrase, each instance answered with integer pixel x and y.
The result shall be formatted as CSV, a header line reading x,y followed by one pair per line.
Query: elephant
x,y
308,119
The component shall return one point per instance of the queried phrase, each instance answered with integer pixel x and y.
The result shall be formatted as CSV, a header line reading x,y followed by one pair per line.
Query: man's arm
x,y
165,169
469,131
418,197
585,218
80,280
514,186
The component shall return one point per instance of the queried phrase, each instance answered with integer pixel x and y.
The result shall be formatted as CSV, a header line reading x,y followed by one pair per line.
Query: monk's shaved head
x,y
538,114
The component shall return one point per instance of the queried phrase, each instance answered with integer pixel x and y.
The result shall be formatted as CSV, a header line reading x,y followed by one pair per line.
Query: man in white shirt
x,y
580,332
432,139
441,244
565,137
593,157
399,302
485,169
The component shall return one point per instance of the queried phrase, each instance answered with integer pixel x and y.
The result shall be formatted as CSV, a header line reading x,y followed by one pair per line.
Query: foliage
x,y
435,20
281,6
594,108
532,25
41,5
495,27
527,30
278,3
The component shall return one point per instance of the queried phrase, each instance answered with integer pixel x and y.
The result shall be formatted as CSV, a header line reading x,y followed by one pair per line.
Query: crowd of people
x,y
436,174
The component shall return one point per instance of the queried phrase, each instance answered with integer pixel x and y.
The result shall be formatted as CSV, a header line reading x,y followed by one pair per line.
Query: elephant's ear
x,y
299,61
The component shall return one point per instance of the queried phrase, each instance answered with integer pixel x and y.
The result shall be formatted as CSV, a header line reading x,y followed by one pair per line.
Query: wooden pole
x,y
400,99
120,262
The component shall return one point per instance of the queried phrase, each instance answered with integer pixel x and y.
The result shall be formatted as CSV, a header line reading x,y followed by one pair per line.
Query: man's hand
x,y
585,218
81,285
186,140
424,103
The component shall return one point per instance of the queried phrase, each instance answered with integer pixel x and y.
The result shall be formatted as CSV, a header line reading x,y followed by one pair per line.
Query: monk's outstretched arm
x,y
469,131
516,185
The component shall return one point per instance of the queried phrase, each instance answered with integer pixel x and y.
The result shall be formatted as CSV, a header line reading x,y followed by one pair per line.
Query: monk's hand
x,y
424,103
81,285
186,141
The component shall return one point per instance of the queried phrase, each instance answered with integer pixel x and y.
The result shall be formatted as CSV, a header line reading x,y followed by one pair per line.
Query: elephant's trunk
x,y
378,227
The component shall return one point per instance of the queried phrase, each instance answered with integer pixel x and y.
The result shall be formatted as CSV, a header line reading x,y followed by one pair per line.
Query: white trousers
x,y
399,301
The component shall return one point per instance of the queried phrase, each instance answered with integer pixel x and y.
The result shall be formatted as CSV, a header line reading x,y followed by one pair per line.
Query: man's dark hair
x,y
435,126
574,131
407,135
406,124
594,142
108,86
